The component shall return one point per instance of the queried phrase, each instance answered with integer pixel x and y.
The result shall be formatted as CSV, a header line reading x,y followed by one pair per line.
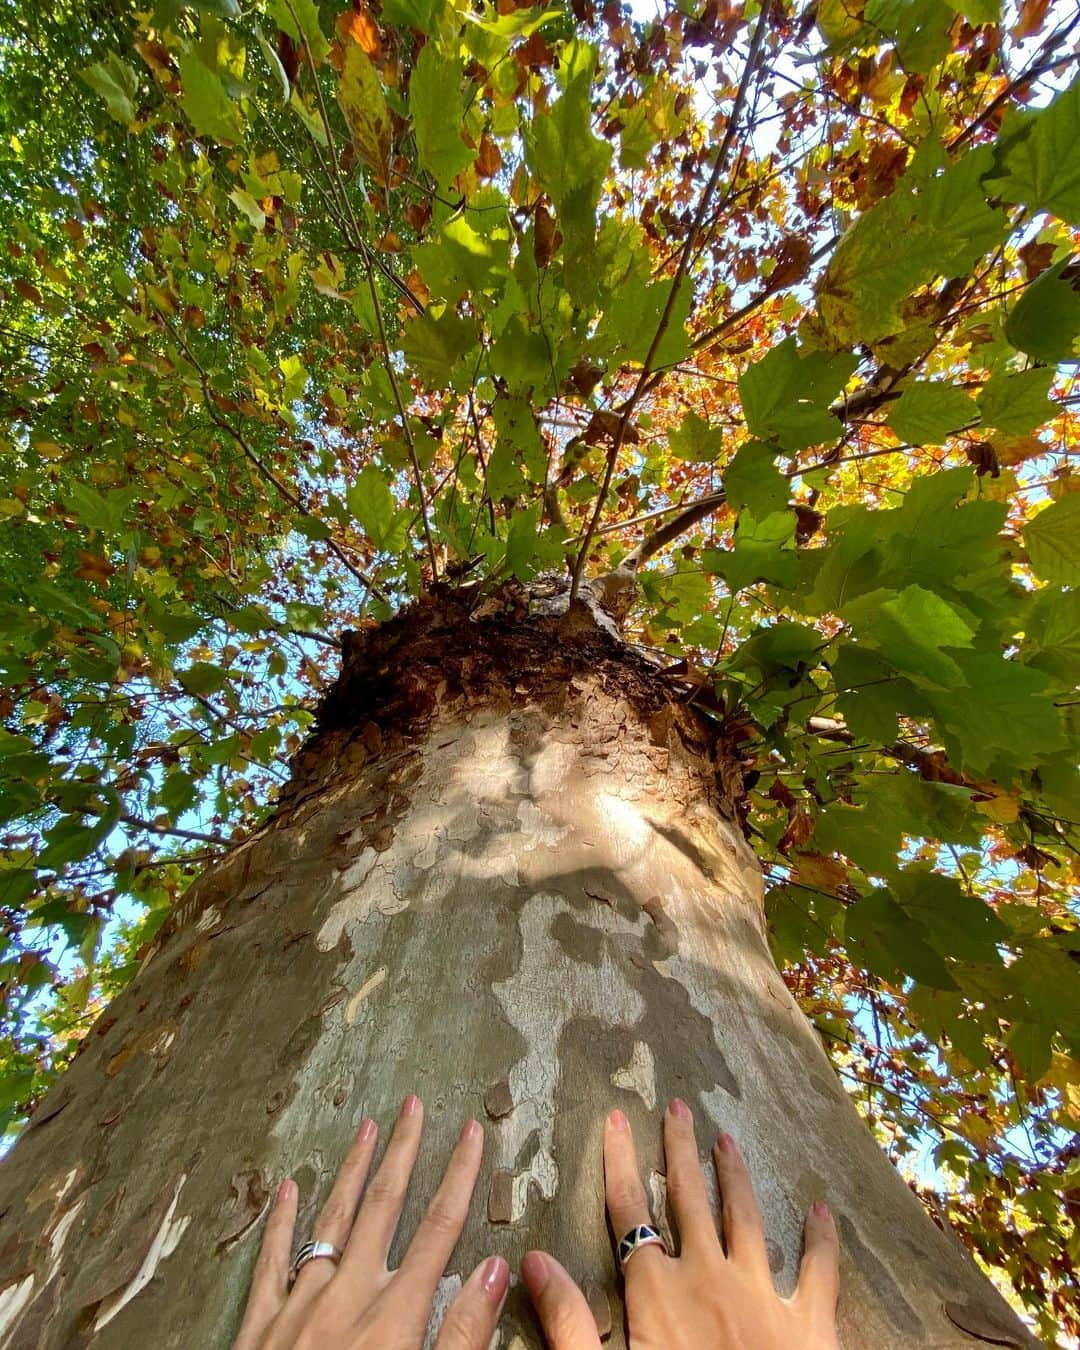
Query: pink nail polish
x,y
535,1273
284,1190
679,1108
411,1106
726,1142
470,1130
368,1129
494,1277
618,1121
821,1209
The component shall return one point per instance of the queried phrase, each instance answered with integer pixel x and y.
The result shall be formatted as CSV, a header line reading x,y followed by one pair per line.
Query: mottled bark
x,y
508,875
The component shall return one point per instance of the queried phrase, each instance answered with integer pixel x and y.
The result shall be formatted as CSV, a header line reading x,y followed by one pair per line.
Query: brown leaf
x,y
489,158
547,236
807,522
981,456
1011,450
820,872
792,262
28,290
800,827
604,426
92,568
585,376
1036,258
1031,19
358,26
780,792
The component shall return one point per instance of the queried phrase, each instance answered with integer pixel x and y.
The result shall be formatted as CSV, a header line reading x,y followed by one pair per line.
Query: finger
x,y
564,1314
441,1225
626,1200
744,1233
819,1273
473,1316
270,1282
686,1195
374,1229
336,1217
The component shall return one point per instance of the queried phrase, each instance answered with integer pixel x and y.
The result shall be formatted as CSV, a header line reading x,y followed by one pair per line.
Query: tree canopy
x,y
771,308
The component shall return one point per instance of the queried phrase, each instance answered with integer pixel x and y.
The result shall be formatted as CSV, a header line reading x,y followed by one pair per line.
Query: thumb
x,y
564,1314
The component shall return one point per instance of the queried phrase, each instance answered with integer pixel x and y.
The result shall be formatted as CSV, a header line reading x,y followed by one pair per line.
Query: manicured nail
x,y
494,1277
470,1130
679,1108
820,1209
618,1121
411,1106
535,1273
367,1130
285,1190
725,1142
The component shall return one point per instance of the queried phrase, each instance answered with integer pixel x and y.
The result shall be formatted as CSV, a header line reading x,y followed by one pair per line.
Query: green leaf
x,y
203,678
438,112
879,933
786,395
434,342
1031,1045
300,19
206,103
1037,161
273,61
753,480
762,551
117,84
978,12
248,206
928,411
418,14
632,319
521,542
70,840
910,629
1052,634
1053,541
695,441
920,29
1017,403
956,924
1045,321
373,505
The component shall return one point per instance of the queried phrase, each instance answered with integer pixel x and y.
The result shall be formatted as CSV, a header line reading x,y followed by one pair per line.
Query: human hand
x,y
358,1304
712,1296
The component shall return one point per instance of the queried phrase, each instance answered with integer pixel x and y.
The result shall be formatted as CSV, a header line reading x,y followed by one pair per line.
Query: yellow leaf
x,y
824,874
1016,449
364,105
1000,807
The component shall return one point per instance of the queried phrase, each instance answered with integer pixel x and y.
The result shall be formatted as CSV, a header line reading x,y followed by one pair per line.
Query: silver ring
x,y
312,1251
644,1235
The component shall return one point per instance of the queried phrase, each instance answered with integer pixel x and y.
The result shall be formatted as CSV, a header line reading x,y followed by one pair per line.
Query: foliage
x,y
305,311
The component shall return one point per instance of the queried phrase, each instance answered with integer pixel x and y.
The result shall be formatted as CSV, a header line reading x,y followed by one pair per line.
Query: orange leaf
x,y
358,26
820,872
489,159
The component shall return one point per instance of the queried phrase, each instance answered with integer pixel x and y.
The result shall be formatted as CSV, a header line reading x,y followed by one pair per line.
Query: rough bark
x,y
508,875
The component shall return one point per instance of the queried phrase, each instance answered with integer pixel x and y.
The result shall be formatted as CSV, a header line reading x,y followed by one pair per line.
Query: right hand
x,y
715,1295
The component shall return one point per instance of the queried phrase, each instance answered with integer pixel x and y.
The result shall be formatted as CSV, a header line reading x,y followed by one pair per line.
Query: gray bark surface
x,y
508,875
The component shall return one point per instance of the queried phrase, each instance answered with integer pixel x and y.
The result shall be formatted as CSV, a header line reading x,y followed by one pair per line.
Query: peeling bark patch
x,y
352,1008
984,1326
250,1199
162,1246
639,1075
666,927
13,1300
659,1207
498,1100
683,974
578,940
500,1205
538,1000
900,1312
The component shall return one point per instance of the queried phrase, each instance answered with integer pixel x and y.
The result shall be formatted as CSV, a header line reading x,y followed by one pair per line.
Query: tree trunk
x,y
508,875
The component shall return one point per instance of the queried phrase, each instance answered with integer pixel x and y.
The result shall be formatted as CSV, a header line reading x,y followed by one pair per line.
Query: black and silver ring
x,y
644,1235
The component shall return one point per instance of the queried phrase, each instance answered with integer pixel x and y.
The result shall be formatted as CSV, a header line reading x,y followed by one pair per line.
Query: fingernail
x,y
285,1190
820,1209
679,1108
535,1273
494,1277
725,1142
411,1105
470,1130
367,1130
618,1121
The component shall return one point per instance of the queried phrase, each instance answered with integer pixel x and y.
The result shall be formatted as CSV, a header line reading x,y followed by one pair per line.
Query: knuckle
x,y
442,1216
386,1189
626,1193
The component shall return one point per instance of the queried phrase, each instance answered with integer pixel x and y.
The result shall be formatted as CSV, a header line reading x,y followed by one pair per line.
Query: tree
x,y
485,487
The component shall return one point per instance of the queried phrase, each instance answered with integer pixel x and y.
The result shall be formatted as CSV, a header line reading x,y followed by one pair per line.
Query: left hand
x,y
358,1304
